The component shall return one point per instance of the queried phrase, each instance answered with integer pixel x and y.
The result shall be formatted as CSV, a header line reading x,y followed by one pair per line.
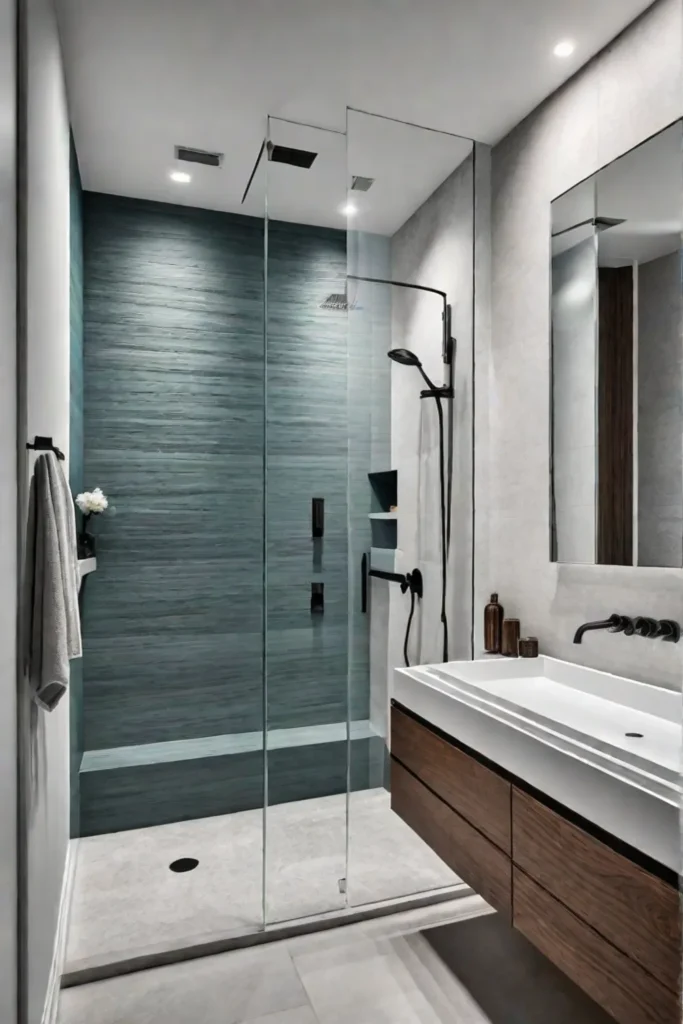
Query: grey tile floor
x,y
376,972
450,963
127,902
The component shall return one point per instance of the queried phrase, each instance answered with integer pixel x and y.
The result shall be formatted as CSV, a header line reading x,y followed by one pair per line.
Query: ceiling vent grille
x,y
198,156
293,157
361,184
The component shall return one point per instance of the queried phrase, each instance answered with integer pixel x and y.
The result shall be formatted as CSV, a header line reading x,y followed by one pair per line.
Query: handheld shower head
x,y
407,358
404,356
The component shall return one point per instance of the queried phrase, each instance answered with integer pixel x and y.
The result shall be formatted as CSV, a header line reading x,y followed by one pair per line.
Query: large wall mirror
x,y
617,363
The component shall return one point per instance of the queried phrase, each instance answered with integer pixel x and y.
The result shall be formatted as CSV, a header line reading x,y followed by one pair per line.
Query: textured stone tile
x,y
225,989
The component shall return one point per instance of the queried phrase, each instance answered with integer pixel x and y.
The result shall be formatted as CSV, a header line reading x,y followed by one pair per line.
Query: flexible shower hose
x,y
408,625
445,537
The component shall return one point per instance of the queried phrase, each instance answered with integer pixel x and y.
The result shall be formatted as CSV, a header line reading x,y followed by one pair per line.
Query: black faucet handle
x,y
621,624
668,630
646,627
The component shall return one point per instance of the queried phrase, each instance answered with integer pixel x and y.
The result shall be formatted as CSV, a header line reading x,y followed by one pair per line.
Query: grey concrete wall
x,y
627,93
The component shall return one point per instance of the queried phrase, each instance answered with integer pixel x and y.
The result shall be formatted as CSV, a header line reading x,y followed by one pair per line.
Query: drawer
x,y
476,792
477,861
620,986
636,911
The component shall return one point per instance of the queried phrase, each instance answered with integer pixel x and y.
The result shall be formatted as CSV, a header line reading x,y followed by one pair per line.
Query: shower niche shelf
x,y
383,515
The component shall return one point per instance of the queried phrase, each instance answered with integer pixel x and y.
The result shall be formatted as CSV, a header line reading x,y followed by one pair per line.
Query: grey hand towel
x,y
52,624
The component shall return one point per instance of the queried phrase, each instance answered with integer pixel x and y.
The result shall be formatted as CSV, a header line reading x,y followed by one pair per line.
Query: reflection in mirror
x,y
617,371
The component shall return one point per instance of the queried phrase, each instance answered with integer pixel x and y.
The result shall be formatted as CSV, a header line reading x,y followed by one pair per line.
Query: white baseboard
x,y
59,954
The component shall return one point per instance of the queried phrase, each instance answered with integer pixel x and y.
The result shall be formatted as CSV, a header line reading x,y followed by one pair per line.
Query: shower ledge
x,y
218,746
563,729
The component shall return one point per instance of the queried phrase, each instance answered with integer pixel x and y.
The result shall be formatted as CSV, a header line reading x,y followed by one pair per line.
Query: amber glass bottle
x,y
493,626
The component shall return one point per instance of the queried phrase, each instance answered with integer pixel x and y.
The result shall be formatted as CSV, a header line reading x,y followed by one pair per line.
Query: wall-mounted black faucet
x,y
614,624
665,629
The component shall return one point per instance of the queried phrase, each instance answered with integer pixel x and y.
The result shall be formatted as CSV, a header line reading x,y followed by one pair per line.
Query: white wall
x,y
8,543
435,248
47,412
629,92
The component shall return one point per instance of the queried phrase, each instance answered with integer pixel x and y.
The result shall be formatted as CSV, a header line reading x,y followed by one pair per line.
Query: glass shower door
x,y
306,538
411,193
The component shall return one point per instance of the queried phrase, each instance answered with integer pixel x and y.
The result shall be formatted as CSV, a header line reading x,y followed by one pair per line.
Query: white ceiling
x,y
407,165
145,75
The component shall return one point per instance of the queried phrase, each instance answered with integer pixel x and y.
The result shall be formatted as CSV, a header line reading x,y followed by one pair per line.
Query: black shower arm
x,y
447,340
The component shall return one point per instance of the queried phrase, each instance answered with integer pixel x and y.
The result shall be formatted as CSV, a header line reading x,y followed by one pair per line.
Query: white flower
x,y
92,502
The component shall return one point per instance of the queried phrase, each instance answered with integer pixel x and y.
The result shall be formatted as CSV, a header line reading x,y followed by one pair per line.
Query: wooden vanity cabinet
x,y
606,920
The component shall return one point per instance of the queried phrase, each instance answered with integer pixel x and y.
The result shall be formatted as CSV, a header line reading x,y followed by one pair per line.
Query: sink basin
x,y
607,747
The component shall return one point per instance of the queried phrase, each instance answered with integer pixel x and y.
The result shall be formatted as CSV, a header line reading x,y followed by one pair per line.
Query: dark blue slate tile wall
x,y
174,426
75,452
178,394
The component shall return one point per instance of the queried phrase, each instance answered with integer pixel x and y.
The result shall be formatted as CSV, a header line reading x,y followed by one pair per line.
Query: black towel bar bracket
x,y
44,444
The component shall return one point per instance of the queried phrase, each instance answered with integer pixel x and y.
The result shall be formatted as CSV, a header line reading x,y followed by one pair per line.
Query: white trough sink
x,y
565,729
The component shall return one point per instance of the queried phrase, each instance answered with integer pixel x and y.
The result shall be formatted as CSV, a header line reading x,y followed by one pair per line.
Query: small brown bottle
x,y
510,645
493,626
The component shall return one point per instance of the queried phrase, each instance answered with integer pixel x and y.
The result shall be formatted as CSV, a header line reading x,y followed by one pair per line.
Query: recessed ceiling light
x,y
182,177
564,48
349,210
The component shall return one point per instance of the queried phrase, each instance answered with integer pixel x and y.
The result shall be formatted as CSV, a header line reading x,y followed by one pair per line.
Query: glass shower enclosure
x,y
247,611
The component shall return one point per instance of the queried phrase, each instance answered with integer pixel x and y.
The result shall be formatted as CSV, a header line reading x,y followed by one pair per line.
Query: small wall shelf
x,y
383,515
383,490
86,566
383,558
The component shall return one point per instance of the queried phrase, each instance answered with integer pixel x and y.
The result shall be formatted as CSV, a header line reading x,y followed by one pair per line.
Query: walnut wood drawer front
x,y
477,861
620,986
636,911
475,792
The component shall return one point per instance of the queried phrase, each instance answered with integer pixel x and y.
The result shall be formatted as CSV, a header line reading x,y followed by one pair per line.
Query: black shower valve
x,y
413,583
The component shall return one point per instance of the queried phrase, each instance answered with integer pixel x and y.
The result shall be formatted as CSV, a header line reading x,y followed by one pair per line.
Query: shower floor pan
x,y
129,909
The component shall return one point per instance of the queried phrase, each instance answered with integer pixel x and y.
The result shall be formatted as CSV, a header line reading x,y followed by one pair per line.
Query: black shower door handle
x,y
364,583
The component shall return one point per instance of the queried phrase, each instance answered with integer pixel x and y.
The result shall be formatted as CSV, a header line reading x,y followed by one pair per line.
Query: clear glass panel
x,y
411,224
307,547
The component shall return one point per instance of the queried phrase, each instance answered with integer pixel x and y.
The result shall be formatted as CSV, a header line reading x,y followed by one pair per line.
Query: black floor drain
x,y
635,735
184,864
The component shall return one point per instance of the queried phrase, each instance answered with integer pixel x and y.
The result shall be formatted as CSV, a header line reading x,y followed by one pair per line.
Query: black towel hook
x,y
44,444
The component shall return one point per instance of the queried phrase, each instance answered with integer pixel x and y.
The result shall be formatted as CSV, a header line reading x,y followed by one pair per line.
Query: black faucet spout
x,y
613,623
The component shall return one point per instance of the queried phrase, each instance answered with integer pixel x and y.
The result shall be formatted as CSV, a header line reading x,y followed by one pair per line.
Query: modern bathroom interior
x,y
370,403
